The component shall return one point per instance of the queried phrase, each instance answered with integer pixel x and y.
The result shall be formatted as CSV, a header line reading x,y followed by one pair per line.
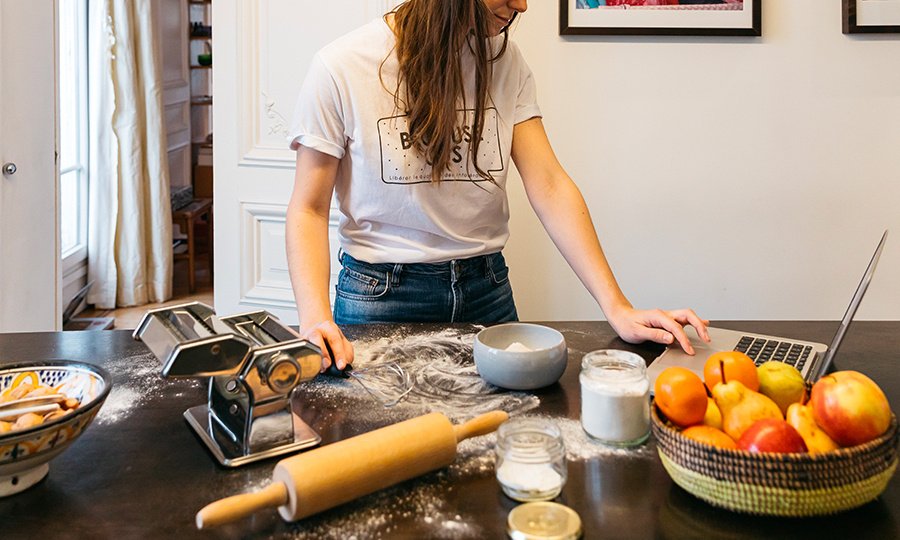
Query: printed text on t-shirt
x,y
401,164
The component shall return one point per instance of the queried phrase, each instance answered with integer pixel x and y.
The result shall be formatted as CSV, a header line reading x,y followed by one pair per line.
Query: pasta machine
x,y
253,362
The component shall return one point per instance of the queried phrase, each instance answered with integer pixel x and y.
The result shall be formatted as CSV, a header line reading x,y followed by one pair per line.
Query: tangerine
x,y
710,435
725,366
680,395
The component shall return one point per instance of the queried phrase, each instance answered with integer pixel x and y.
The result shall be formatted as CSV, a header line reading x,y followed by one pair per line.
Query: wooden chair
x,y
186,218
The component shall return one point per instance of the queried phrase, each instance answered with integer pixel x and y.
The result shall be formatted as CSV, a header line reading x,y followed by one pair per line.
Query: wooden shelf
x,y
200,37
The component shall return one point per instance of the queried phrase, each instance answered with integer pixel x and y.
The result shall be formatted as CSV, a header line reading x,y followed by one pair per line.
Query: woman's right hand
x,y
335,347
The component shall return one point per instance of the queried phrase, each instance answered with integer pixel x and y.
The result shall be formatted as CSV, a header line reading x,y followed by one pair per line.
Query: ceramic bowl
x,y
25,454
520,356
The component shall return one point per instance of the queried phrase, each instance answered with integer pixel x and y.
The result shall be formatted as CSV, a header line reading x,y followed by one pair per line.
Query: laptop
x,y
812,359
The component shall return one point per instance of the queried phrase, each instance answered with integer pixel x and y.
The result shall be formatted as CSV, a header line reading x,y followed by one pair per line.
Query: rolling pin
x,y
310,483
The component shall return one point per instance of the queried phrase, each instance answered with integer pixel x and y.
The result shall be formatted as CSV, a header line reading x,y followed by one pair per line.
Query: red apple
x,y
850,407
771,435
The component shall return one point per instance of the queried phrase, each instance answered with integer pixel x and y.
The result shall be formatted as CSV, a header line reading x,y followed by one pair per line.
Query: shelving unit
x,y
200,44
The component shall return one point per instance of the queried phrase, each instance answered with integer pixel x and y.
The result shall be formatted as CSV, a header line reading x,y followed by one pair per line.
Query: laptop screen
x,y
851,310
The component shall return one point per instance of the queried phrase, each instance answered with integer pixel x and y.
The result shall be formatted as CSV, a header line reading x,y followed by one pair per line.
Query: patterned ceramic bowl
x,y
25,454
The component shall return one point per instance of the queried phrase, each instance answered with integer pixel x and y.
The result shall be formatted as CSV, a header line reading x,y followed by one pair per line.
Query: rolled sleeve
x,y
526,100
318,121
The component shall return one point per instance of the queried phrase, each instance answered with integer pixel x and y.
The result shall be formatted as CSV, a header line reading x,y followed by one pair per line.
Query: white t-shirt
x,y
390,209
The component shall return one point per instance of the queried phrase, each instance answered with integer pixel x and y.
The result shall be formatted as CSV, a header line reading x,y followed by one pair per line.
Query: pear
x,y
741,407
713,416
801,418
782,383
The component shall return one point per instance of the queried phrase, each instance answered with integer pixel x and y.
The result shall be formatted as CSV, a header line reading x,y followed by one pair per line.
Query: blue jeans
x,y
476,289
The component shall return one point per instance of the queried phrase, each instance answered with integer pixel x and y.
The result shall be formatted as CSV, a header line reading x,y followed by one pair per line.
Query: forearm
x,y
561,209
565,216
308,255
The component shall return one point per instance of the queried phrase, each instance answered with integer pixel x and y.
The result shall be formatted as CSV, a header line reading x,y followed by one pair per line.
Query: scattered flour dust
x,y
580,447
445,380
378,516
136,379
440,368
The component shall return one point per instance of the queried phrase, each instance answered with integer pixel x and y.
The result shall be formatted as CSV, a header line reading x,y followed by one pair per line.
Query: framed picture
x,y
662,17
871,16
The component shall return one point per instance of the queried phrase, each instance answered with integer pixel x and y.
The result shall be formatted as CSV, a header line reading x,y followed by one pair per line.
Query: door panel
x,y
262,50
29,240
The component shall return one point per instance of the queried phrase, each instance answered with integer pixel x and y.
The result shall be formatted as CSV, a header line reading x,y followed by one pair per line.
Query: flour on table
x,y
580,447
445,380
442,371
376,516
135,378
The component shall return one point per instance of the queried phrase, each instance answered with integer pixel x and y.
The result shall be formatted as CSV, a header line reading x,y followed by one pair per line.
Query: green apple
x,y
782,383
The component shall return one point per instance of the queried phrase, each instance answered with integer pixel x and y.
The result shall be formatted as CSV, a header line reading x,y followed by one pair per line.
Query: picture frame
x,y
871,16
661,17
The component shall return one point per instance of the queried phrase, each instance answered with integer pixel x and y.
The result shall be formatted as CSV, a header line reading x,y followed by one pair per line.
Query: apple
x,y
850,407
771,435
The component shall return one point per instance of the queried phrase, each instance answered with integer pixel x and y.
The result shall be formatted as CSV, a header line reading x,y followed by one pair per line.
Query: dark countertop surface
x,y
140,472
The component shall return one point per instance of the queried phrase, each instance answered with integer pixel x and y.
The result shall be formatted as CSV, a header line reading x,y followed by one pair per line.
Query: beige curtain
x,y
130,231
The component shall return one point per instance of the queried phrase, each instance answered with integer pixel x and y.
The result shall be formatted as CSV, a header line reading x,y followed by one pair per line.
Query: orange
x,y
710,435
681,396
737,366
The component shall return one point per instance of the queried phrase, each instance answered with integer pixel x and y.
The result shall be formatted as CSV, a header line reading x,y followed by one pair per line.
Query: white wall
x,y
749,178
685,149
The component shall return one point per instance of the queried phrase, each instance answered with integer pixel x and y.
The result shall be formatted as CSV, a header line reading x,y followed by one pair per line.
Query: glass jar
x,y
531,459
615,397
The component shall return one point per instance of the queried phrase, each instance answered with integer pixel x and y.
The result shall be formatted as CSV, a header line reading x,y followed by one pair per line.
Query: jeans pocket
x,y
361,283
498,269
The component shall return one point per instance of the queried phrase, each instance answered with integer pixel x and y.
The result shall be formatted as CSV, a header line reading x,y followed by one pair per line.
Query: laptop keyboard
x,y
762,350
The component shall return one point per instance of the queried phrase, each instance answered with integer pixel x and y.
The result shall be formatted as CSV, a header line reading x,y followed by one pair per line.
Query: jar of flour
x,y
615,397
531,459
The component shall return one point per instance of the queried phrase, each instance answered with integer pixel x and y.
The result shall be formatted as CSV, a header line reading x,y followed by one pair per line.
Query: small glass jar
x,y
615,397
531,459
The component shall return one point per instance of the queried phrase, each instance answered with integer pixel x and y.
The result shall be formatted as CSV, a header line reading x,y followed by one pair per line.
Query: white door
x,y
29,239
261,51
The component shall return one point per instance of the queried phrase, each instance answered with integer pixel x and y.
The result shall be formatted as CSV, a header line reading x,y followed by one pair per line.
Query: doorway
x,y
178,47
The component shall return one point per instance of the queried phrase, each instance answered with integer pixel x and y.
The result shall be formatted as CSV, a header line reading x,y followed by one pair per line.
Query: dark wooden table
x,y
139,472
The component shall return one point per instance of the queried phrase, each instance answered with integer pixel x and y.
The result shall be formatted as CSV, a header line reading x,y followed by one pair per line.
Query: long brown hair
x,y
431,35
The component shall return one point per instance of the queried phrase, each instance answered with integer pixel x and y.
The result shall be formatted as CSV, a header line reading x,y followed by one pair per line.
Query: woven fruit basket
x,y
794,485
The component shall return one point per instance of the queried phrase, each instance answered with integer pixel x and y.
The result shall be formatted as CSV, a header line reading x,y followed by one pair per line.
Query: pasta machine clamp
x,y
253,361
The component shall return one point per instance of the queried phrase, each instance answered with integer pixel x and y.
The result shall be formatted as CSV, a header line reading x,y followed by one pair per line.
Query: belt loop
x,y
454,270
395,274
341,255
488,270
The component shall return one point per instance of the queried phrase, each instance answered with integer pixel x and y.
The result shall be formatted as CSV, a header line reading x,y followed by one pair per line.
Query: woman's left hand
x,y
638,325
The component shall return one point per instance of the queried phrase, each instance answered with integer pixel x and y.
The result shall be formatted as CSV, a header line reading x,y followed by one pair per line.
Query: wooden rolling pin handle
x,y
239,506
480,425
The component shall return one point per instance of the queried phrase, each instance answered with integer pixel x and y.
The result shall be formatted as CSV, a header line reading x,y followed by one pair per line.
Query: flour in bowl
x,y
515,346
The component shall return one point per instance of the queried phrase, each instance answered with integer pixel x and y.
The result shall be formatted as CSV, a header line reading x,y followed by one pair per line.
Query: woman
x,y
412,121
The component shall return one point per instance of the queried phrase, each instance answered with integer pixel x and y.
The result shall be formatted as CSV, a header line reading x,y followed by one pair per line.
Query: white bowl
x,y
25,454
520,356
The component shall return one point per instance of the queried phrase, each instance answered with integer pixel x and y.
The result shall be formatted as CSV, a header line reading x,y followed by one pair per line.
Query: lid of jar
x,y
543,521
